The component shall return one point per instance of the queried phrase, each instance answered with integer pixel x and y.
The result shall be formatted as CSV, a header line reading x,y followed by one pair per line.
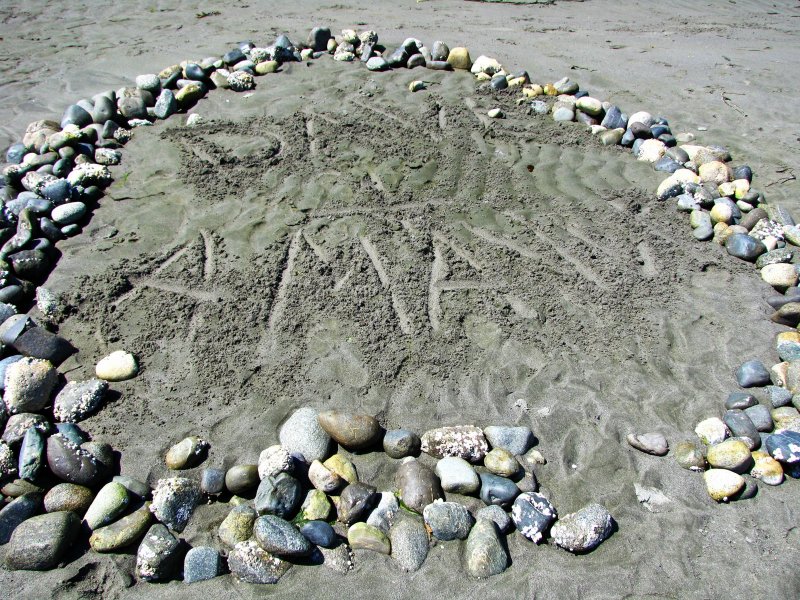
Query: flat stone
x,y
40,542
584,530
123,533
417,484
37,342
158,555
448,520
722,485
740,400
533,514
484,552
517,440
279,537
652,443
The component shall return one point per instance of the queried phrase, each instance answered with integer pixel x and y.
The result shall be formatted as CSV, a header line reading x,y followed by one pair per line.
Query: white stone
x,y
117,366
711,431
457,475
484,64
651,150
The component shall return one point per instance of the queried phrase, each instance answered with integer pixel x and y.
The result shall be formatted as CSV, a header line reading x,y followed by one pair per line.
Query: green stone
x,y
110,502
342,467
367,537
125,532
316,506
238,525
269,66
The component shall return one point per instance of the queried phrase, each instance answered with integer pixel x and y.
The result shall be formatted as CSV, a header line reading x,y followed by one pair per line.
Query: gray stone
x,y
40,542
70,462
652,443
68,213
377,63
778,396
201,563
31,454
496,514
497,490
134,486
448,520
250,563
484,552
279,537
584,530
745,247
68,497
384,513
740,400
158,555
741,426
29,384
18,424
187,453
533,514
240,479
302,434
517,440
174,501
319,533
280,495
17,511
166,105
410,542
356,502
78,399
752,373
457,475
399,443
417,484
439,51
111,501
760,416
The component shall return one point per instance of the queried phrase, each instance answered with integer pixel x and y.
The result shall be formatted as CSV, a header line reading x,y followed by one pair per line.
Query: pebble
x,y
399,443
158,555
457,475
279,537
409,542
352,431
741,426
78,399
201,564
459,58
786,417
651,150
122,533
250,563
361,536
16,512
584,530
517,440
69,462
302,434
418,486
732,454
68,497
465,441
322,478
778,396
533,514
166,105
788,314
237,525
745,247
377,63
780,276
495,113
29,383
766,469
31,454
448,520
319,533
279,495
274,460
787,344
241,81
382,516
356,502
722,484
740,400
111,501
652,443
496,514
316,506
240,479
497,490
501,462
174,501
187,453
485,553
134,486
751,374
784,446
612,137
563,114
342,467
689,456
117,366
88,174
40,542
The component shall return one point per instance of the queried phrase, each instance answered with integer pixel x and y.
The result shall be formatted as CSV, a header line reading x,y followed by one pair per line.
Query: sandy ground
x,y
301,272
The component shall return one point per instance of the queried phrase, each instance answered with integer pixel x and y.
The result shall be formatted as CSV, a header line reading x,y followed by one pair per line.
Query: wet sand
x,y
412,266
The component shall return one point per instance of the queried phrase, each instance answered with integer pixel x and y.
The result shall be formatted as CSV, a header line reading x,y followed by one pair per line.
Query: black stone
x,y
667,164
69,462
743,172
627,139
657,130
499,82
741,426
40,343
104,110
439,65
17,511
233,57
50,229
640,131
30,264
319,533
355,502
739,400
533,514
194,71
667,139
745,247
72,432
75,115
752,373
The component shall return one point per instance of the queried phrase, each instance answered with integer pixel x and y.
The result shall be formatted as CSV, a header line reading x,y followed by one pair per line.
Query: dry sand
x,y
288,251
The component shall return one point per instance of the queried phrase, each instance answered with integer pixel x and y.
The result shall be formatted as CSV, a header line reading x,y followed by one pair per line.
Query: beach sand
x,y
332,240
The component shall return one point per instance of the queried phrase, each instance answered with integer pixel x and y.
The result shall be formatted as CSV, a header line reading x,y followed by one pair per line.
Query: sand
x,y
333,240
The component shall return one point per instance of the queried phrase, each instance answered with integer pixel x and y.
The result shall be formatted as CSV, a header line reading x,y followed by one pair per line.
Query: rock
x,y
786,417
241,81
117,366
29,383
76,115
459,58
279,537
418,486
274,460
773,257
238,525
361,536
302,434
37,342
563,114
584,530
722,484
457,475
501,462
484,553
18,424
409,542
279,495
689,456
377,63
212,481
496,514
651,150
495,113
533,514
741,426
760,416
240,479
88,174
780,276
766,468
497,490
68,497
318,38
122,533
174,501
187,453
399,443
158,554
323,478
8,464
78,399
590,106
138,488
745,247
201,564
316,506
342,467
751,374
788,314
448,520
5,363
267,67
111,501
415,60
166,105
652,443
711,431
31,455
465,441
440,51
787,345
356,502
17,511
731,454
740,400
319,533
39,543
69,462
384,512
516,440
784,446
250,563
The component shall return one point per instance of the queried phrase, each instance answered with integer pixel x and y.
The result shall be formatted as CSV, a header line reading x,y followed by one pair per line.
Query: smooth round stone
x,y
341,466
459,58
18,510
584,530
68,497
651,150
417,484
201,564
711,431
69,462
158,555
409,543
731,454
465,441
784,446
495,113
485,553
766,469
689,456
302,434
279,537
457,475
316,506
590,106
117,366
722,484
267,67
501,462
382,516
29,383
40,542
174,501
356,502
744,247
76,115
377,63
563,114
721,213
533,514
497,490
189,94
496,514
238,525
187,453
399,443
439,51
134,486
319,533
361,536
651,443
280,495
353,431
78,399
149,82
517,440
415,60
240,479
249,563
740,400
780,276
741,426
274,460
322,478
751,374
122,533
448,520
111,501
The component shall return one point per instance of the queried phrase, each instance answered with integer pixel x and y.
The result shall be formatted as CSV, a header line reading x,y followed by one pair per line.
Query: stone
x,y
18,424
786,417
533,514
760,416
377,63
16,512
517,440
382,516
316,506
29,383
448,520
319,533
418,486
465,441
651,150
722,485
279,537
497,490
122,533
457,475
241,81
202,563
496,514
501,462
88,174
495,113
187,453
584,530
267,67
174,501
780,275
563,114
341,466
780,255
651,443
318,38
237,525
323,478
240,479
409,543
78,399
788,314
5,363
745,247
138,488
166,105
484,552
274,460
711,431
459,58
440,51
158,555
68,497
37,342
689,456
31,455
76,115
740,400
732,454
766,469
777,396
302,434
787,344
399,443
361,536
784,446
279,495
721,213
249,563
40,542
612,137
741,426
69,462
117,366
111,501
356,502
